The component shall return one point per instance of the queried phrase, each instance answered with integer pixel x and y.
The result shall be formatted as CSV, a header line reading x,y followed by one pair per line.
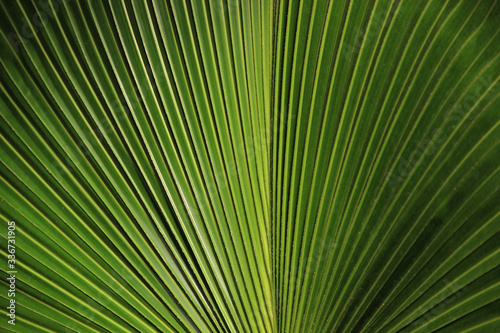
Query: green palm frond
x,y
250,166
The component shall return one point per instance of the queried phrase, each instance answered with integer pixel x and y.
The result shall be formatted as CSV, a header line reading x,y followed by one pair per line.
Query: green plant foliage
x,y
250,166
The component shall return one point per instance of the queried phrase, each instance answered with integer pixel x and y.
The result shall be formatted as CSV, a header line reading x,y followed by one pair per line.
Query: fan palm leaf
x,y
250,166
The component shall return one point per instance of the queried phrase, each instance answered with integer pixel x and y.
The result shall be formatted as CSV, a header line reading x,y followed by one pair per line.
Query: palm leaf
x,y
250,166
